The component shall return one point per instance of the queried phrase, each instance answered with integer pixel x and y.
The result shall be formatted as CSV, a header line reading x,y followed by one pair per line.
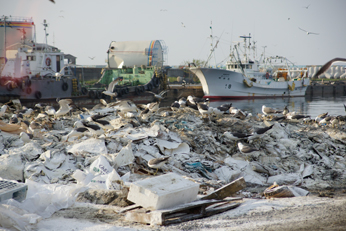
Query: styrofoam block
x,y
163,191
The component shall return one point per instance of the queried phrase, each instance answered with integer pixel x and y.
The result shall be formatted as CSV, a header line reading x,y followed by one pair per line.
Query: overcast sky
x,y
85,28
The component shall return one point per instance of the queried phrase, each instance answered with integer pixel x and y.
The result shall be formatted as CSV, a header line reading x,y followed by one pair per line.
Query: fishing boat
x,y
34,71
136,67
31,71
250,78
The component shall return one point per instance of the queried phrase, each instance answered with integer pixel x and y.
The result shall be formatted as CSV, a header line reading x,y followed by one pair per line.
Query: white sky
x,y
88,27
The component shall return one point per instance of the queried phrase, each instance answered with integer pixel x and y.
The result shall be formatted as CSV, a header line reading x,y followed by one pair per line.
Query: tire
x,y
142,88
149,87
98,94
9,86
64,86
38,95
92,94
119,92
84,91
156,82
137,91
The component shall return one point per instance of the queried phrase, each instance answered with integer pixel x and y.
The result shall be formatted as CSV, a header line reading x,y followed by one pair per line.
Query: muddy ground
x,y
320,210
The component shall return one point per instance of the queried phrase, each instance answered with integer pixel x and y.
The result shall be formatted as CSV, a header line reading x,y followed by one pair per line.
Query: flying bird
x,y
160,95
308,32
64,107
306,7
326,66
182,24
110,91
92,58
52,1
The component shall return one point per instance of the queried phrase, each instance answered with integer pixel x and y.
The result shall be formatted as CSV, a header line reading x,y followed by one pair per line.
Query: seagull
x,y
94,129
52,1
182,24
235,135
175,106
64,107
307,32
126,106
204,109
285,111
26,137
269,110
245,148
296,116
92,58
182,102
160,95
259,131
79,131
306,7
3,110
50,110
97,117
326,66
153,107
157,162
222,109
110,91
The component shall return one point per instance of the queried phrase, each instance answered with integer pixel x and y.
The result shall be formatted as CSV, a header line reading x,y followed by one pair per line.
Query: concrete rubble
x,y
295,153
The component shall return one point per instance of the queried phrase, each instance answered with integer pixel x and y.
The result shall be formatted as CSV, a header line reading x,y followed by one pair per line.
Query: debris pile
x,y
108,148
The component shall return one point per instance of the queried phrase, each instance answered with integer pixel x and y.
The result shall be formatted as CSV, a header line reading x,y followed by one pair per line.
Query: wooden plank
x,y
227,190
128,208
220,209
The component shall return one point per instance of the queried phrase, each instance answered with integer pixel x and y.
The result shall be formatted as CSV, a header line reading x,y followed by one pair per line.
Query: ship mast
x,y
45,32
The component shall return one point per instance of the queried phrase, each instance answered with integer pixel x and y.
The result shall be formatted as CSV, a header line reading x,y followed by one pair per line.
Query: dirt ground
x,y
320,210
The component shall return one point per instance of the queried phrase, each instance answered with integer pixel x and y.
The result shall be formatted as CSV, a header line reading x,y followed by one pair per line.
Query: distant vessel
x,y
33,70
138,67
246,78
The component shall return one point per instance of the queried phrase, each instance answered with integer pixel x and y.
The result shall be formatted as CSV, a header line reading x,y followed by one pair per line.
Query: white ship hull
x,y
226,84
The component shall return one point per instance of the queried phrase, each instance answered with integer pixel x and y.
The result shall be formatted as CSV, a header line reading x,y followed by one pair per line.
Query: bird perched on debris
x,y
103,123
269,110
157,162
222,109
110,90
78,131
236,135
26,137
182,102
246,148
192,101
259,132
96,130
204,109
160,95
321,116
175,106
